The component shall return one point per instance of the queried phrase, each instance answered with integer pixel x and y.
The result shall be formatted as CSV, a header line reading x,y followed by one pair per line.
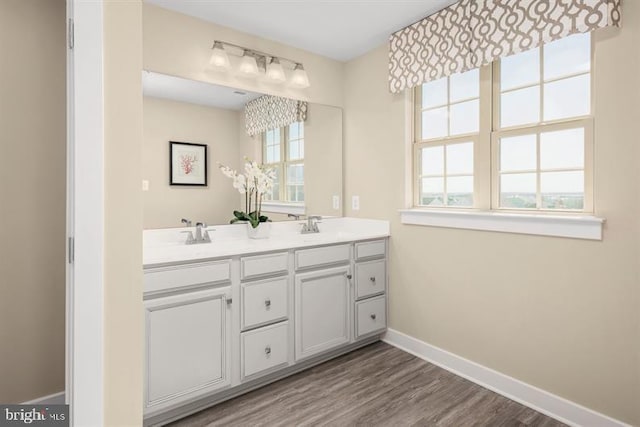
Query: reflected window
x,y
283,150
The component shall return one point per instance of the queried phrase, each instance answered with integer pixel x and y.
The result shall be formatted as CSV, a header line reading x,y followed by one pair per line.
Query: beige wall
x,y
32,194
124,327
180,45
322,159
164,121
560,314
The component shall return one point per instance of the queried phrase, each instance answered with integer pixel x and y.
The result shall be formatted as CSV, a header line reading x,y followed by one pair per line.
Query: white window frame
x,y
486,213
282,205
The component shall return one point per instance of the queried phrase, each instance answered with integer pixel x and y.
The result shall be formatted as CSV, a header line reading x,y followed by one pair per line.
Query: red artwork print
x,y
188,161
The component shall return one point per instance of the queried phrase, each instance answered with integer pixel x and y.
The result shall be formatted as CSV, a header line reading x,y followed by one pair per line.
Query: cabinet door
x,y
187,346
321,311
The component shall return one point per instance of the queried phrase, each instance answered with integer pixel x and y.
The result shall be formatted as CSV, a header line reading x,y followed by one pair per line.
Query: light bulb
x,y
275,72
299,78
248,65
219,59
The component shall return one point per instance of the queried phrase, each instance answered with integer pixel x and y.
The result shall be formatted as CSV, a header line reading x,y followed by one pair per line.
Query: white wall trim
x,y
85,323
283,208
52,399
577,227
542,401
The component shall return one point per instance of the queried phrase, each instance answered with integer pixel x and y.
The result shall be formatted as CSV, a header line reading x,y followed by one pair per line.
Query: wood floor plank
x,y
378,385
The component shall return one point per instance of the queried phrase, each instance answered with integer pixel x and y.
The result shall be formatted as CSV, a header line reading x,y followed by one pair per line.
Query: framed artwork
x,y
187,164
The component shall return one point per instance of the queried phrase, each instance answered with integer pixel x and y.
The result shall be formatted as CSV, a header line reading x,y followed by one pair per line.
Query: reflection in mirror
x,y
306,155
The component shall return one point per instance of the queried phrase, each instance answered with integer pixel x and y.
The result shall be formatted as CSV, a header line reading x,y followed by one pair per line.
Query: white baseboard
x,y
52,399
542,401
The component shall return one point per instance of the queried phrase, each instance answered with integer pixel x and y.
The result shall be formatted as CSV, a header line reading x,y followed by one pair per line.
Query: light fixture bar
x,y
245,50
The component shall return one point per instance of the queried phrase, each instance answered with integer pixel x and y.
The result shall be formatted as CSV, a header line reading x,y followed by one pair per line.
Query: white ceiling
x,y
341,30
158,85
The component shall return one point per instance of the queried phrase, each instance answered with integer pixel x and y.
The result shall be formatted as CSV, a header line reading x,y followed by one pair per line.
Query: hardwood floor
x,y
377,385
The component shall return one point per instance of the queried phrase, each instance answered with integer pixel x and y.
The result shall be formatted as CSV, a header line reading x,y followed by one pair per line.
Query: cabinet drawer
x,y
264,302
264,348
371,278
263,265
371,316
376,248
165,278
307,258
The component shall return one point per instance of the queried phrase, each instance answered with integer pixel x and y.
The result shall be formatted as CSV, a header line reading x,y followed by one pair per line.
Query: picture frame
x,y
187,164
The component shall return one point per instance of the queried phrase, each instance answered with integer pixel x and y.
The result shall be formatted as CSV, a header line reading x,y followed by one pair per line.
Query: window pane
x,y
570,55
293,150
460,158
460,191
435,123
465,117
432,192
520,107
273,154
521,69
464,85
518,190
562,150
567,98
433,160
518,153
295,174
562,190
294,131
434,94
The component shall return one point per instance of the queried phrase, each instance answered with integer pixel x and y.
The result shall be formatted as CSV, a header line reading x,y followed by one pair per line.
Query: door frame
x,y
84,378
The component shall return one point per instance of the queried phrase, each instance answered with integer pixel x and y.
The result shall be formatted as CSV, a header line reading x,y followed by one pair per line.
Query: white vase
x,y
262,231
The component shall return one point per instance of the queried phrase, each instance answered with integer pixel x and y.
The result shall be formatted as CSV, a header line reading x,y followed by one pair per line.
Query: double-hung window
x,y
526,118
283,150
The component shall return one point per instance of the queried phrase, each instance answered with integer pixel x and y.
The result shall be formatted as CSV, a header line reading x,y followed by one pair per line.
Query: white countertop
x,y
166,246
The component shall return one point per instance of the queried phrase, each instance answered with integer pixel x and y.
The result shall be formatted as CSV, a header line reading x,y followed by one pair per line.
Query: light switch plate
x,y
355,203
336,202
145,185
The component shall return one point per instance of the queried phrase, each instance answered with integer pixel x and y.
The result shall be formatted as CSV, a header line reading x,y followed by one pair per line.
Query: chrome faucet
x,y
312,224
186,222
202,234
294,216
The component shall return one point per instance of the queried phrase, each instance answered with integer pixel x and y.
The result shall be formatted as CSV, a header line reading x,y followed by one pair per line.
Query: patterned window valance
x,y
473,33
270,112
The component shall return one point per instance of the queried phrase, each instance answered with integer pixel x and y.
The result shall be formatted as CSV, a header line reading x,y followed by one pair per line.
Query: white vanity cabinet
x,y
224,325
265,306
370,287
188,344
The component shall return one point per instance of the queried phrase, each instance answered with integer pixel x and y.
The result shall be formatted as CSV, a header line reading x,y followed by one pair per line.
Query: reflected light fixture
x,y
253,63
275,71
219,58
299,78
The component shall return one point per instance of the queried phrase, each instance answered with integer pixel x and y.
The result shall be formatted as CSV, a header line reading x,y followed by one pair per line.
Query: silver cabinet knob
x,y
349,276
373,279
267,303
267,350
229,300
373,316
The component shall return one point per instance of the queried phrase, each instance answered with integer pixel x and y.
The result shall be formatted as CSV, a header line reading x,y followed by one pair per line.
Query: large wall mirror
x,y
308,156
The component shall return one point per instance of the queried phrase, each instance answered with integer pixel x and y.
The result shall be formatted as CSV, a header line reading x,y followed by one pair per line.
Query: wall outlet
x,y
355,203
145,185
336,202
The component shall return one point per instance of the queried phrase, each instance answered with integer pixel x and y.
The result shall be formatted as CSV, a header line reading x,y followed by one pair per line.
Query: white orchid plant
x,y
256,181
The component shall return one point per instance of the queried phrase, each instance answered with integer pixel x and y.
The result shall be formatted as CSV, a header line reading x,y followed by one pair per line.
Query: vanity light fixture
x,y
275,71
299,78
248,65
254,63
219,58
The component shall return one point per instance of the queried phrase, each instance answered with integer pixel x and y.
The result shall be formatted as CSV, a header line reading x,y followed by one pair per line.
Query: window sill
x,y
284,208
575,226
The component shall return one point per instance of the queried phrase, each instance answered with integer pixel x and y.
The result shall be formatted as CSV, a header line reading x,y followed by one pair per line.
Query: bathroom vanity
x,y
226,317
